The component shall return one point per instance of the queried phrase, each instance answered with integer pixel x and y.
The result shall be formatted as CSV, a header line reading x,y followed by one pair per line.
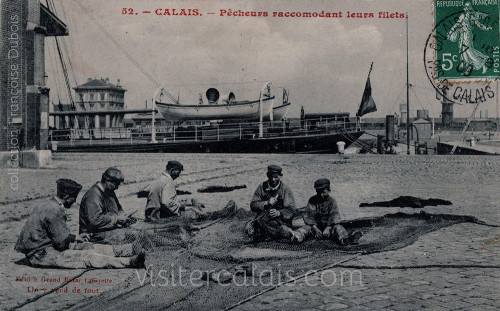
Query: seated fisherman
x,y
322,217
100,210
275,207
163,201
46,241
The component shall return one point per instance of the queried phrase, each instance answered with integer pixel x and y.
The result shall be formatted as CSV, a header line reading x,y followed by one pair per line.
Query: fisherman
x,y
322,217
163,201
46,240
100,210
275,207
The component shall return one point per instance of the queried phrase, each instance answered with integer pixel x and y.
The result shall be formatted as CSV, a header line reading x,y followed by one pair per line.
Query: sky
x,y
322,62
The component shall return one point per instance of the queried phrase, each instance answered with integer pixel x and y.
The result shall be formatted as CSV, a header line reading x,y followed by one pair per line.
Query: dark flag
x,y
367,103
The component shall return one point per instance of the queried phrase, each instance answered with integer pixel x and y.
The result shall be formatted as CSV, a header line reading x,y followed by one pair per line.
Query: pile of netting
x,y
213,265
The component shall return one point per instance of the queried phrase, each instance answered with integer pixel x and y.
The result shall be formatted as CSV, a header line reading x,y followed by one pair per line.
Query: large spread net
x,y
184,259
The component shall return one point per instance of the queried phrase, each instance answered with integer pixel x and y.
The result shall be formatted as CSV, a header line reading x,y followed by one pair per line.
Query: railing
x,y
208,132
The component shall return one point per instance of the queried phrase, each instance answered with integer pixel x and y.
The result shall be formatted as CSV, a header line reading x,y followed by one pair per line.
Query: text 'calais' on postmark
x,y
462,53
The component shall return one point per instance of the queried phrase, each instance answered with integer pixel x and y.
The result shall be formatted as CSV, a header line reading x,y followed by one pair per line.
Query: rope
x,y
354,141
445,266
150,77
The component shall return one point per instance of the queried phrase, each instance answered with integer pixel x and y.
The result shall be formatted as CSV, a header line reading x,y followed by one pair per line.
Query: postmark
x,y
462,53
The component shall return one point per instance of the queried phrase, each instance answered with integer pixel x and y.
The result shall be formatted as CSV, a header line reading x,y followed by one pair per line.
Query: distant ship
x,y
248,126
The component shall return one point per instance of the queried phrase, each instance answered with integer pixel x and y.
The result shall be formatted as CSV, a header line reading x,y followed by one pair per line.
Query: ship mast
x,y
407,94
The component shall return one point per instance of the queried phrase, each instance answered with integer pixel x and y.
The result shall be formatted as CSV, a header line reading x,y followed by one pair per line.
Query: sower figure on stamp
x,y
100,210
275,207
322,217
461,32
46,240
163,201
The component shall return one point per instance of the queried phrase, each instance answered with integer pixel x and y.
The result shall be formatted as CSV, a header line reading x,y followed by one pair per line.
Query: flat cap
x,y
175,164
274,169
68,187
322,183
114,174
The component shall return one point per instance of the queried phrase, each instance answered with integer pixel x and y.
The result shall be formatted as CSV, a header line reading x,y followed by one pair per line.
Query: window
x,y
91,96
102,96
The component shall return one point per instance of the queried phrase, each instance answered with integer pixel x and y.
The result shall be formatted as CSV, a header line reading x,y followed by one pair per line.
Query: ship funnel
x,y
227,98
212,95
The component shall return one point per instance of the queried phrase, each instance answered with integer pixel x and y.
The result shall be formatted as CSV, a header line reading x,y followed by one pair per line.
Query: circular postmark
x,y
462,53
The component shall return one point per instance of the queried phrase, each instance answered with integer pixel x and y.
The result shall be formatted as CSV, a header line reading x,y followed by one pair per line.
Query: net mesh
x,y
180,251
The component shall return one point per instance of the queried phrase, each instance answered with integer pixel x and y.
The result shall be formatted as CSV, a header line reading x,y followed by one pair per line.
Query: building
x,y
100,95
24,98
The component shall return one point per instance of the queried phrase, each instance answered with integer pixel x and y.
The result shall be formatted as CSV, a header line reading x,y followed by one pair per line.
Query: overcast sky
x,y
323,62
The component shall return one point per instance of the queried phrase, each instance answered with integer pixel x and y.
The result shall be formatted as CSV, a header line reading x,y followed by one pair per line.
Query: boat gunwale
x,y
237,103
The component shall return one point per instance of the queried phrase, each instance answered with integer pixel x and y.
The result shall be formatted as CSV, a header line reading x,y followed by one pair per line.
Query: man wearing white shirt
x,y
163,201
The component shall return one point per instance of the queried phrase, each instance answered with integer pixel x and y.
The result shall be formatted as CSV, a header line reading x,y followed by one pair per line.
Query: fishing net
x,y
180,251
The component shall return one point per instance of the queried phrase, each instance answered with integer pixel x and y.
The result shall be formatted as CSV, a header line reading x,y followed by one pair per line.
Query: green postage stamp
x,y
467,39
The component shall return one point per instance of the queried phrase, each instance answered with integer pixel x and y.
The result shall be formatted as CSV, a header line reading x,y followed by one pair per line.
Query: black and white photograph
x,y
249,155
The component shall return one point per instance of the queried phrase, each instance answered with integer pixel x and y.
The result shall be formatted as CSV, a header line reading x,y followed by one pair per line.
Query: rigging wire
x,y
55,73
418,100
150,77
83,68
65,48
397,98
65,73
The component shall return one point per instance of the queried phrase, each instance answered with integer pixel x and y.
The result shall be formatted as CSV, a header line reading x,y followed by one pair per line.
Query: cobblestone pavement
x,y
437,273
450,269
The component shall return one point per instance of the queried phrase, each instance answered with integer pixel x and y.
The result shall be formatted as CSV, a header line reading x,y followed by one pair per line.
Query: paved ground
x,y
449,269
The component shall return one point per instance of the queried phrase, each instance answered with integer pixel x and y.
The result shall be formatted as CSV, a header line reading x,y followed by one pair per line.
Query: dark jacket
x,y
99,210
45,226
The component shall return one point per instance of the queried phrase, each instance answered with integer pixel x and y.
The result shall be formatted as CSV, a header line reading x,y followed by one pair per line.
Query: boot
x,y
294,236
137,261
229,208
352,239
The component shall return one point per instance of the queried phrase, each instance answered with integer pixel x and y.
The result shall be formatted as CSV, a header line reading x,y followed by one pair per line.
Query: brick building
x,y
24,98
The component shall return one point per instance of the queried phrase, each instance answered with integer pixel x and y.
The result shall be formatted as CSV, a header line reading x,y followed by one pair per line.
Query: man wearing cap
x,y
100,210
322,217
162,198
46,240
163,201
275,207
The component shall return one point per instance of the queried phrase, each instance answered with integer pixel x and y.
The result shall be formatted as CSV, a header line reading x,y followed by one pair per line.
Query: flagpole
x,y
407,94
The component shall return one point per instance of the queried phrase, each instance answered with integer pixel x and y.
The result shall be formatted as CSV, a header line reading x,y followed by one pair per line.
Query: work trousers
x,y
83,255
337,232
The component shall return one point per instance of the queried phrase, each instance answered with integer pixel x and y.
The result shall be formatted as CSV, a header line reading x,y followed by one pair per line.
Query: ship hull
x,y
311,143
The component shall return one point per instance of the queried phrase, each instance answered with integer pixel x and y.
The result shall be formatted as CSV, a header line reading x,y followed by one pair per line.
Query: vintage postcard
x,y
249,155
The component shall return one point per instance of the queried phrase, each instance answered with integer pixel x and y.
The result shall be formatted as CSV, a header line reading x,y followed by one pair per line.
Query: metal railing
x,y
206,132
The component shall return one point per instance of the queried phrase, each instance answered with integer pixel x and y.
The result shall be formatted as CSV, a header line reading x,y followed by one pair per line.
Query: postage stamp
x,y
467,39
462,52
